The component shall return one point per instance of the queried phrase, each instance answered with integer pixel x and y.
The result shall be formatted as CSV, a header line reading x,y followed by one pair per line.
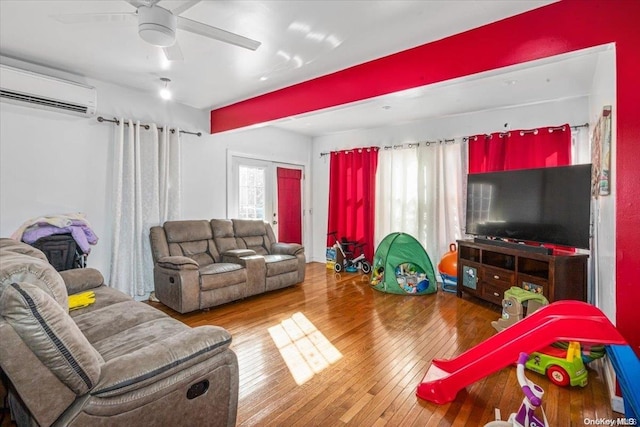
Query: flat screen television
x,y
545,205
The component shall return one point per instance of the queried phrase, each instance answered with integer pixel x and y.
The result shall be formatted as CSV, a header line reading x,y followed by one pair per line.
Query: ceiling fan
x,y
157,25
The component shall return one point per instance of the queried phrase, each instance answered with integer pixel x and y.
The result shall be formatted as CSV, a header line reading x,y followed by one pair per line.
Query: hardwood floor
x,y
380,346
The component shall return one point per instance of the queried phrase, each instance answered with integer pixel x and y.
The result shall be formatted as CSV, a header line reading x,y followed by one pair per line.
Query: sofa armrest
x,y
178,263
81,279
286,248
162,359
178,284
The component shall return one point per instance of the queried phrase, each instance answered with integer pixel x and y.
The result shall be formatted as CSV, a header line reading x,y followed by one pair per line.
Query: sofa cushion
x,y
17,267
105,297
279,264
216,276
119,315
178,263
187,231
249,227
132,325
52,335
223,235
256,243
193,239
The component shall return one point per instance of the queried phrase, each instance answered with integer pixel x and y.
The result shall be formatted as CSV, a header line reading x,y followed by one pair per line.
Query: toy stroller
x,y
525,417
344,257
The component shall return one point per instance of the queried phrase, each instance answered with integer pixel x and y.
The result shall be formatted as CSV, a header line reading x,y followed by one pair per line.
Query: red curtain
x,y
352,196
520,149
289,205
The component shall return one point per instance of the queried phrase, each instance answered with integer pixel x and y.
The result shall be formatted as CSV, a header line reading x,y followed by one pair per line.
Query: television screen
x,y
546,205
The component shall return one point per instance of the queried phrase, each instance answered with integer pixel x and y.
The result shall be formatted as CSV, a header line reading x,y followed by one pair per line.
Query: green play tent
x,y
402,266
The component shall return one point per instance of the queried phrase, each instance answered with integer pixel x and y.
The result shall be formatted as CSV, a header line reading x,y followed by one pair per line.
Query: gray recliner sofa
x,y
116,362
200,264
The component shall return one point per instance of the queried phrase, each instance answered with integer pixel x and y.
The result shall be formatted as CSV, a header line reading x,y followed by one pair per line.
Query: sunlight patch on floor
x,y
305,350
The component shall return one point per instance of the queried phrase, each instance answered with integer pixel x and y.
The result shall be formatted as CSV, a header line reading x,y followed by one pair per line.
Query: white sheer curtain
x,y
146,192
420,191
580,146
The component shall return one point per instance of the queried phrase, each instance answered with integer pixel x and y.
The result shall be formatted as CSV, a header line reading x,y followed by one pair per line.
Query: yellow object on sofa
x,y
82,299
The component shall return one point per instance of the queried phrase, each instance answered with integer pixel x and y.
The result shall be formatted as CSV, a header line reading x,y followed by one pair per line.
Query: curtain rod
x,y
465,138
117,122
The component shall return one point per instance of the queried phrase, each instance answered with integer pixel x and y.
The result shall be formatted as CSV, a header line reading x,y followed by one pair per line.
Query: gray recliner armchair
x,y
116,362
189,272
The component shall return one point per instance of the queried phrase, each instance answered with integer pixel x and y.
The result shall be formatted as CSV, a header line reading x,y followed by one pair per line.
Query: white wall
x,y
53,163
603,92
205,167
573,111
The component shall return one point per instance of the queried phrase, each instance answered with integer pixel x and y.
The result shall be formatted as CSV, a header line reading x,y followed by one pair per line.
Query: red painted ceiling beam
x,y
543,32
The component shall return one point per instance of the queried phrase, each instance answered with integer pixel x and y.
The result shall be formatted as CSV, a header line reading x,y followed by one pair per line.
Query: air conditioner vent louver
x,y
36,90
43,101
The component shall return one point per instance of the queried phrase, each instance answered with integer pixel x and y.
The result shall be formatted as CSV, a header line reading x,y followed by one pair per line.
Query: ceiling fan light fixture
x,y
157,26
165,93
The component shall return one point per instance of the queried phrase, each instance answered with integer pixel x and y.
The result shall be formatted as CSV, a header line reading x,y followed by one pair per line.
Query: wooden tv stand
x,y
486,271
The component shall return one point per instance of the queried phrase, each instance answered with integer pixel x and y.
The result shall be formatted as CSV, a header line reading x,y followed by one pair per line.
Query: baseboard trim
x,y
617,402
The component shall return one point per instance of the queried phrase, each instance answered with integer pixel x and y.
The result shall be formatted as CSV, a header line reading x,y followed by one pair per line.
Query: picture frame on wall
x,y
601,154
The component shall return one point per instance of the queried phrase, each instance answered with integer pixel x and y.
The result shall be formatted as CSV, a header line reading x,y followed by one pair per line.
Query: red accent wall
x,y
558,28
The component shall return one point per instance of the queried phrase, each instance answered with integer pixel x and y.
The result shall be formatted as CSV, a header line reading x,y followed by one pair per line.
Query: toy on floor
x,y
448,269
402,266
562,367
588,352
561,362
513,306
344,256
525,417
561,320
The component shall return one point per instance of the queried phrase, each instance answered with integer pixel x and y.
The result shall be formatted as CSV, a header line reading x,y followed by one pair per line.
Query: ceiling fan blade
x,y
83,18
184,6
173,53
217,33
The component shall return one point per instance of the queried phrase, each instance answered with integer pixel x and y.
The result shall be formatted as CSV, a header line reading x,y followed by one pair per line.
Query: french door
x,y
271,191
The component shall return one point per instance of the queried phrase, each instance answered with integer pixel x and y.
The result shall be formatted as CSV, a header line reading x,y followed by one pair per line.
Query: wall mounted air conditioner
x,y
50,93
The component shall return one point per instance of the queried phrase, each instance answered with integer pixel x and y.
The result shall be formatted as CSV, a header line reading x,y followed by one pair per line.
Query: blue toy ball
x,y
423,285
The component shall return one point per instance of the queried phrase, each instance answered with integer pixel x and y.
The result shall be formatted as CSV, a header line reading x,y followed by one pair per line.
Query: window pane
x,y
251,197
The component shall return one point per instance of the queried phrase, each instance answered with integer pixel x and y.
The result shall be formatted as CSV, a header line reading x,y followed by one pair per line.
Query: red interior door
x,y
289,205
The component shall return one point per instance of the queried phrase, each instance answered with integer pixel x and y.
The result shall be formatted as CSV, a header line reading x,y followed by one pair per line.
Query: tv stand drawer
x,y
493,293
498,276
